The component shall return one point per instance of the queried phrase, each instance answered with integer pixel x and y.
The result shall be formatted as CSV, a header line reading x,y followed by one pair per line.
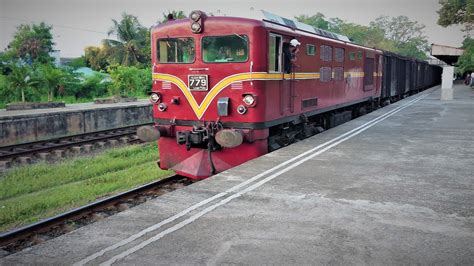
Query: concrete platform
x,y
392,187
41,124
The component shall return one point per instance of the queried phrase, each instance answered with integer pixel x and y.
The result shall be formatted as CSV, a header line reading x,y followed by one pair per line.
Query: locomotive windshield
x,y
176,50
221,49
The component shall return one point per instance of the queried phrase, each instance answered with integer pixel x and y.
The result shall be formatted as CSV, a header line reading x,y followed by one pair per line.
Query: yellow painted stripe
x,y
200,109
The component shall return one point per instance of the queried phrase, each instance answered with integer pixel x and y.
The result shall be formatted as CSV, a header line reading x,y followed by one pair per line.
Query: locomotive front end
x,y
205,101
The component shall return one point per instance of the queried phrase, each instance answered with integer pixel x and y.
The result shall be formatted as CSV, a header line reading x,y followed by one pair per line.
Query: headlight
x,y
249,100
197,21
155,97
162,107
196,27
195,15
241,109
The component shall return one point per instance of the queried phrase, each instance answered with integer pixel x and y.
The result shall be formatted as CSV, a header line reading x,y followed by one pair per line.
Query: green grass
x,y
29,194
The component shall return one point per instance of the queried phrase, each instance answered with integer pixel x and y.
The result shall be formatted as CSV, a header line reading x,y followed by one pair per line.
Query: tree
x,y
457,12
398,34
52,78
131,38
319,20
460,12
32,43
399,29
360,34
5,94
177,14
21,78
407,36
146,51
466,60
96,58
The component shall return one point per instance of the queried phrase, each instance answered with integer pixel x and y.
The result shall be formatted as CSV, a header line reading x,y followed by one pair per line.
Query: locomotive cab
x,y
203,95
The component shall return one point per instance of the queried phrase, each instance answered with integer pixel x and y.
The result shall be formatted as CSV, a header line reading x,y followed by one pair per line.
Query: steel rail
x,y
14,151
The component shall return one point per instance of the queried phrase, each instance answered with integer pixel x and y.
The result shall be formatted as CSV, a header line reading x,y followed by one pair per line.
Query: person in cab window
x,y
224,54
290,52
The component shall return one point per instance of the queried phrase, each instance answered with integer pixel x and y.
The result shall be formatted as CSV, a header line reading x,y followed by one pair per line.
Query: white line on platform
x,y
330,144
237,187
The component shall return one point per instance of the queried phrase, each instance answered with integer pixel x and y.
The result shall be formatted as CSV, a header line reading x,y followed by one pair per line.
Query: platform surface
x,y
395,186
77,107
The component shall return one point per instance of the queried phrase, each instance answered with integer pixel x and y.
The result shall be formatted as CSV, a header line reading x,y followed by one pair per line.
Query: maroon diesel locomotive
x,y
223,92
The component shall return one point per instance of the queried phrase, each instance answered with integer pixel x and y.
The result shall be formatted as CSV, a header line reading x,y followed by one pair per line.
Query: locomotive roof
x,y
273,21
268,20
234,20
272,18
267,16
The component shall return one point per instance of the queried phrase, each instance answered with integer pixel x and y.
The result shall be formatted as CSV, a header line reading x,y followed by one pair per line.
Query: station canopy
x,y
446,53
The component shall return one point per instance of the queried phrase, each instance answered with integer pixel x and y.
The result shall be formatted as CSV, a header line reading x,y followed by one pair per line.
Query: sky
x,y
81,23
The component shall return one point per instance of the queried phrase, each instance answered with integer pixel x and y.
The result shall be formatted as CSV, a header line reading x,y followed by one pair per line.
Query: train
x,y
222,94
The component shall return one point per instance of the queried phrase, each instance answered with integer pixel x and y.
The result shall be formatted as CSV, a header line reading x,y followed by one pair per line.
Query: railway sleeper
x,y
76,150
87,148
4,165
24,160
45,156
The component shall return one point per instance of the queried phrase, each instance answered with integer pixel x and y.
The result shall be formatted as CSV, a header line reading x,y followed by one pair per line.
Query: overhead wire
x,y
55,25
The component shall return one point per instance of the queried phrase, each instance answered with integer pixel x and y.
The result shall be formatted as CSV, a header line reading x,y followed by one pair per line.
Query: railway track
x,y
59,147
21,238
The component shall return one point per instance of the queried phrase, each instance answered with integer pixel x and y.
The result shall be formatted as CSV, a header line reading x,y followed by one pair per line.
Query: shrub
x,y
129,81
5,95
92,87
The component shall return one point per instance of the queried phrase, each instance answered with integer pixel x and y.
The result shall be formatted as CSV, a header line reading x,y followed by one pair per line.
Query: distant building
x,y
65,61
87,72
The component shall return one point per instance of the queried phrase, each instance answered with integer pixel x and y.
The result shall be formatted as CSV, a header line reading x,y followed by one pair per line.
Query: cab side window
x,y
274,53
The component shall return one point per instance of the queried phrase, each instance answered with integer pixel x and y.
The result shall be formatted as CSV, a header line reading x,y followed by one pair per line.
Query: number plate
x,y
197,82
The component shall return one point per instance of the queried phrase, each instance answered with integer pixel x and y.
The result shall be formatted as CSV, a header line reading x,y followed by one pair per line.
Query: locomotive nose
x,y
148,133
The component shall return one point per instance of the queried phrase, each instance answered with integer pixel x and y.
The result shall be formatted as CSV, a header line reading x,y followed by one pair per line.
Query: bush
x,y
78,62
5,96
41,82
92,87
129,81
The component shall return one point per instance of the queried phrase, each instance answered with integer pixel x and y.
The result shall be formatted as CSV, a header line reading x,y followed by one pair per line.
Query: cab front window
x,y
175,50
222,49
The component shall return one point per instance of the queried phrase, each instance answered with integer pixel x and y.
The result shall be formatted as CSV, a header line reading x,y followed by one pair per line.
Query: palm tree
x,y
53,78
131,37
20,78
176,15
